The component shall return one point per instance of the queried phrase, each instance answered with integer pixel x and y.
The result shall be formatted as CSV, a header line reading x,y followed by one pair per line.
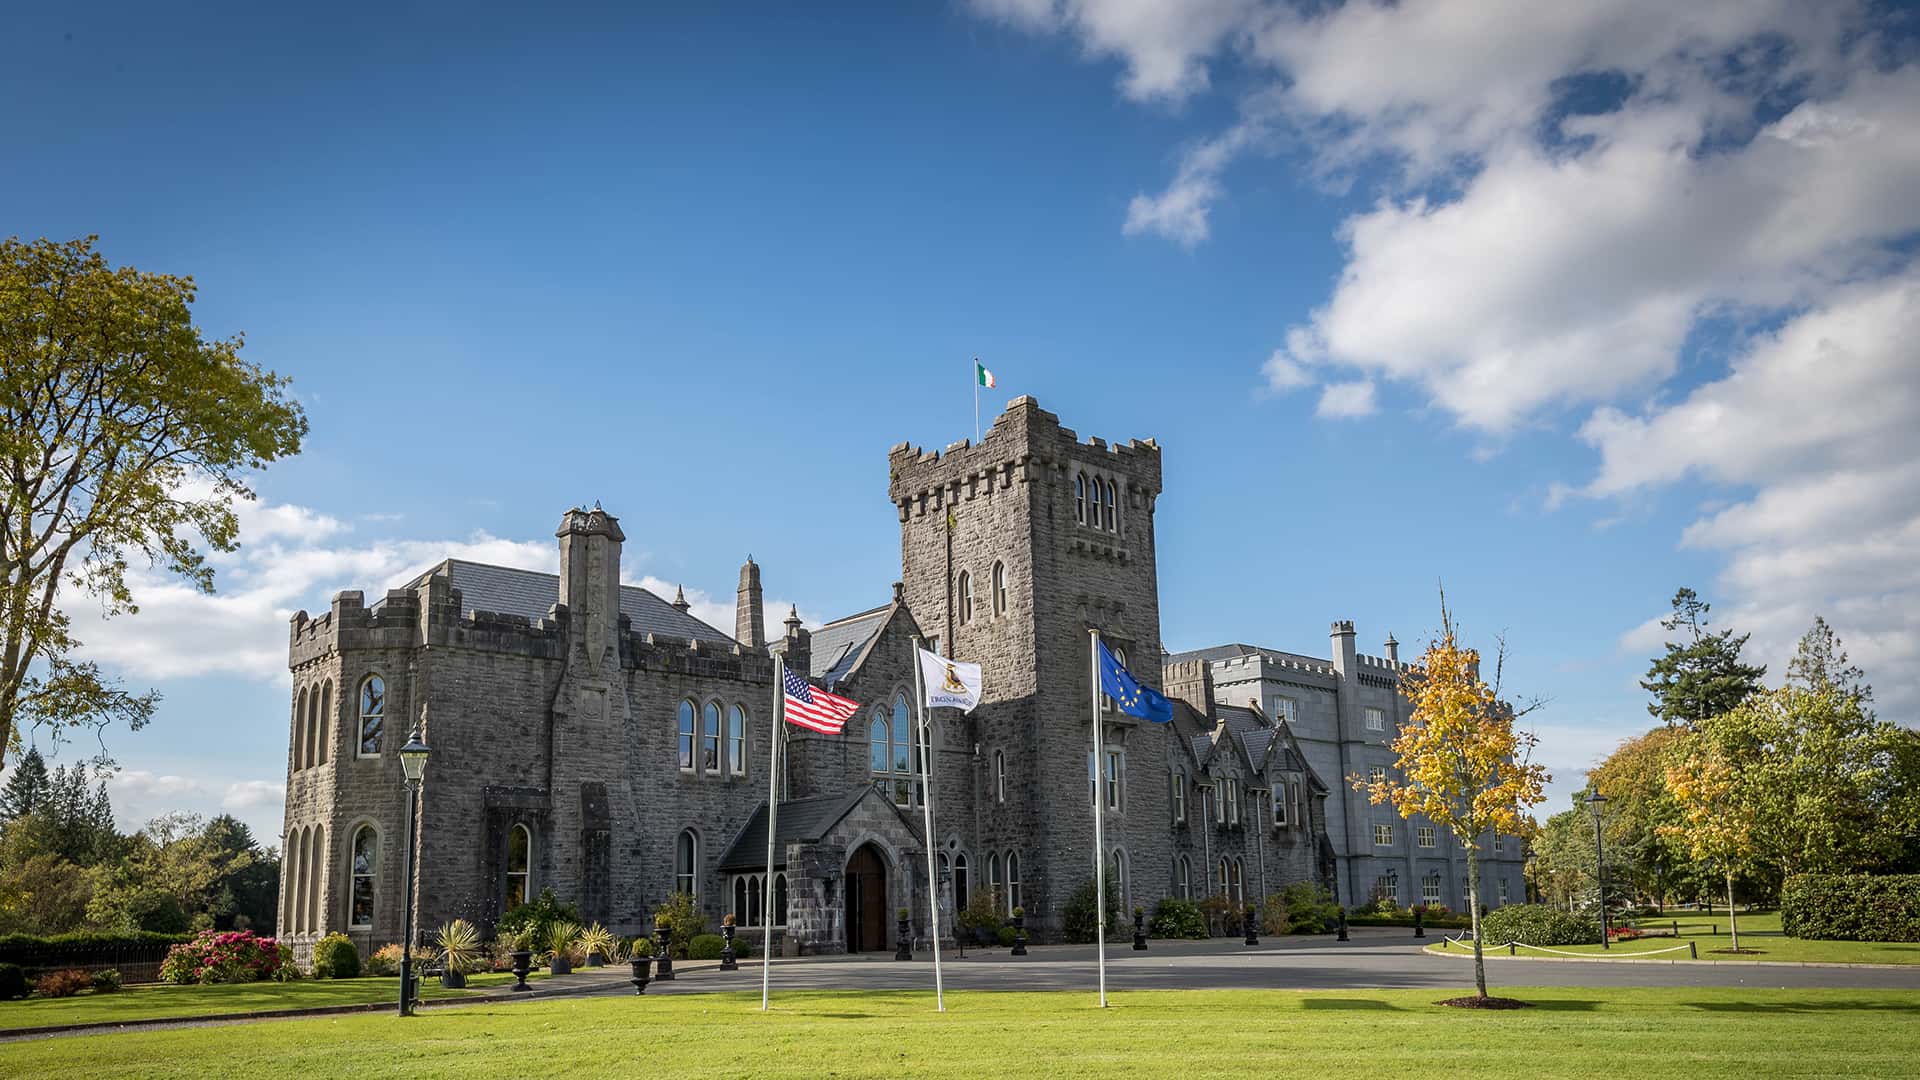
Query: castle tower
x,y
588,787
749,621
1010,551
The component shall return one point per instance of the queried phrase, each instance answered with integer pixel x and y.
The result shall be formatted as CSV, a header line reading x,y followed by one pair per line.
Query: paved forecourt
x,y
1374,959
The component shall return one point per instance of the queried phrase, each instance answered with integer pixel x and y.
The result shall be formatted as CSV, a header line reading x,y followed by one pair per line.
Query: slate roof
x,y
508,591
801,821
837,645
1228,652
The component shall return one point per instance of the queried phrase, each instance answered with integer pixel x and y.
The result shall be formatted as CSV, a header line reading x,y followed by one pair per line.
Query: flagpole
x,y
926,806
1099,834
976,401
773,809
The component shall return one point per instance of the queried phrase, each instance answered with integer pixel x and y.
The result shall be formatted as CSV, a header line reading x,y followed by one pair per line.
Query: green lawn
x,y
1570,1032
1759,931
155,1002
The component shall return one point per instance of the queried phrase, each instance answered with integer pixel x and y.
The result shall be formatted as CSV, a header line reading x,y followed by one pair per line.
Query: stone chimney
x,y
797,646
749,620
1345,660
1393,649
590,576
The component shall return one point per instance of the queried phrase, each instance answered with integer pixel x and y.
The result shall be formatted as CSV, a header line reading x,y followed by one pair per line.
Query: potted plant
x,y
561,938
1019,932
598,944
729,959
520,942
460,952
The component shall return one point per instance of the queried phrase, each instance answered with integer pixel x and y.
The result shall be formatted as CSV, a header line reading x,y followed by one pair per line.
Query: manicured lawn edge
x,y
1498,953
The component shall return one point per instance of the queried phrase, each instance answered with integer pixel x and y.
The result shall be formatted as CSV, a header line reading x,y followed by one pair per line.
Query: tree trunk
x,y
1473,906
1733,917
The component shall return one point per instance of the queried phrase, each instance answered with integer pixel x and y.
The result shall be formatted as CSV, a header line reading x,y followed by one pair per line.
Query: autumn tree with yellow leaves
x,y
1462,764
1717,818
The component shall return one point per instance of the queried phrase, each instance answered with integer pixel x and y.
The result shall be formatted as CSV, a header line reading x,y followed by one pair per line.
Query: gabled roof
x,y
801,821
839,645
530,593
1228,652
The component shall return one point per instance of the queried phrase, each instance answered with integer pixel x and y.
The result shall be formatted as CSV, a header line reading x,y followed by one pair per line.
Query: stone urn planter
x,y
522,963
663,953
1019,932
641,964
1140,929
729,960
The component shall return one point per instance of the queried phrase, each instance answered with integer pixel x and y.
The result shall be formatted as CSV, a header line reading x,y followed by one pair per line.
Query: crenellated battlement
x,y
1026,443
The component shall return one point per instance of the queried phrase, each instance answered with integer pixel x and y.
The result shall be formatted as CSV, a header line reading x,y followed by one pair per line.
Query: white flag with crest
x,y
950,684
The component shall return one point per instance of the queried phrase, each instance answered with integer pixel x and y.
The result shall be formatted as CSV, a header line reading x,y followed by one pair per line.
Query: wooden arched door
x,y
866,894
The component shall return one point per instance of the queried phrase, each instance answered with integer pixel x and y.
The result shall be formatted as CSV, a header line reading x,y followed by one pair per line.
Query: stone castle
x,y
592,738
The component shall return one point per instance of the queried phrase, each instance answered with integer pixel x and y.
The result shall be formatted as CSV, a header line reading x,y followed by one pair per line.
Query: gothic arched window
x,y
779,899
999,776
519,865
366,863
1183,878
686,865
999,584
1113,501
686,735
996,885
960,881
965,594
1013,881
373,714
1080,499
300,730
736,741
710,738
324,729
890,753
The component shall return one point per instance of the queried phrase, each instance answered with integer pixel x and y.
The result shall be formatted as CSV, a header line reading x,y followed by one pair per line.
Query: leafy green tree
x,y
69,819
1655,866
252,889
1701,675
1560,866
172,872
124,433
43,894
26,784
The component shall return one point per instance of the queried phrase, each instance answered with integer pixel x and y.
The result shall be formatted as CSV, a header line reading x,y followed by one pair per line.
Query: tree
x,y
1703,675
1562,859
124,433
173,874
251,889
1462,765
26,785
1717,816
44,894
1821,662
68,819
1634,780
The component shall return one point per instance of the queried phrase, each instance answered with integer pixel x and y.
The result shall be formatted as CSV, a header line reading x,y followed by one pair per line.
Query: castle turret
x,y
749,621
1393,649
590,577
1345,658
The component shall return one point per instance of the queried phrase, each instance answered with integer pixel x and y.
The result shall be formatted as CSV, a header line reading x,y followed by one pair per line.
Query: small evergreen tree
x,y
26,785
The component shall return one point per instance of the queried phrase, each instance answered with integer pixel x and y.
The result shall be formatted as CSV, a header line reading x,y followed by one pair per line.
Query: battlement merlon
x,y
1024,444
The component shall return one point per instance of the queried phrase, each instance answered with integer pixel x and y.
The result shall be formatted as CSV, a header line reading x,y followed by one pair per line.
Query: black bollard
x,y
1252,927
1343,926
728,961
903,938
1418,930
641,963
663,952
1139,930
1019,932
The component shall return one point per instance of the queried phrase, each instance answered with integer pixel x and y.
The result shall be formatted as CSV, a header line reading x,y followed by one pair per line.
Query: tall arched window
x,y
999,776
310,748
519,865
1223,883
890,753
300,729
960,893
736,741
996,884
686,865
325,726
710,738
1238,888
1113,501
999,589
366,863
1013,881
1183,878
319,859
780,899
756,898
1080,499
965,592
742,887
290,885
686,735
1177,796
373,714
1122,880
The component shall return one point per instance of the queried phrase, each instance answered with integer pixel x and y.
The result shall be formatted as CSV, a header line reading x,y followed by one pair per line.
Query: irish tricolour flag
x,y
981,373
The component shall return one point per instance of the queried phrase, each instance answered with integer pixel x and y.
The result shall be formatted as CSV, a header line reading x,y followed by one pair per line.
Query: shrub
x,y
384,961
1217,910
1273,915
214,956
334,957
106,981
59,984
742,946
1851,907
288,971
705,947
1006,936
13,982
982,913
1310,908
1175,918
597,939
1082,924
1538,924
682,920
536,915
458,943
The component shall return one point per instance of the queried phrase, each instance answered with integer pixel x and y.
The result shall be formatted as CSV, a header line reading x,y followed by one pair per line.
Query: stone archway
x,y
866,899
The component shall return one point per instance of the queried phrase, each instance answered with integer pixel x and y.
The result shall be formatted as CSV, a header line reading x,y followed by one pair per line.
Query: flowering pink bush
x,y
215,956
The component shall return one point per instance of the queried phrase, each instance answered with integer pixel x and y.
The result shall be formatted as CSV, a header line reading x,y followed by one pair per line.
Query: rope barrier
x,y
1511,945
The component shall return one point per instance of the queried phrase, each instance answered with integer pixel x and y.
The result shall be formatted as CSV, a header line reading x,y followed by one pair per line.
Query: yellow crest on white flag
x,y
950,684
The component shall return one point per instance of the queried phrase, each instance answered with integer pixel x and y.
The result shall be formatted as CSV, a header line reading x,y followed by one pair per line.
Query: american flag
x,y
813,708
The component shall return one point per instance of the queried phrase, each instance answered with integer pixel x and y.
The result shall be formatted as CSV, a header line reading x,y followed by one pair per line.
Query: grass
x,y
1759,932
1569,1032
156,1002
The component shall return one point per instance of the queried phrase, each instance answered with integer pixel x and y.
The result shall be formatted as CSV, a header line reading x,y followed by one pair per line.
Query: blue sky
x,y
1407,296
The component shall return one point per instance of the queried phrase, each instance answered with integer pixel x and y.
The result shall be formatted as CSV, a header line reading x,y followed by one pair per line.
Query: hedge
x,y
1538,924
1851,907
82,949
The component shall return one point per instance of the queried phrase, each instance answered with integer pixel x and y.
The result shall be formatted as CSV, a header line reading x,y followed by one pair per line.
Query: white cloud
x,y
253,794
1342,401
1284,373
1162,46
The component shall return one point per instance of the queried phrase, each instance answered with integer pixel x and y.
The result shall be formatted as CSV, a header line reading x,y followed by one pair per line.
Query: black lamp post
x,y
1597,802
413,762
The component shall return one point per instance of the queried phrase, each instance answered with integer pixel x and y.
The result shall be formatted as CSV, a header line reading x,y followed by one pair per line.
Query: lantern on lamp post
x,y
413,762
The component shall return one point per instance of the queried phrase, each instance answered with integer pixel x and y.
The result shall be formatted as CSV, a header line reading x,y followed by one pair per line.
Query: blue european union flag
x,y
1128,695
